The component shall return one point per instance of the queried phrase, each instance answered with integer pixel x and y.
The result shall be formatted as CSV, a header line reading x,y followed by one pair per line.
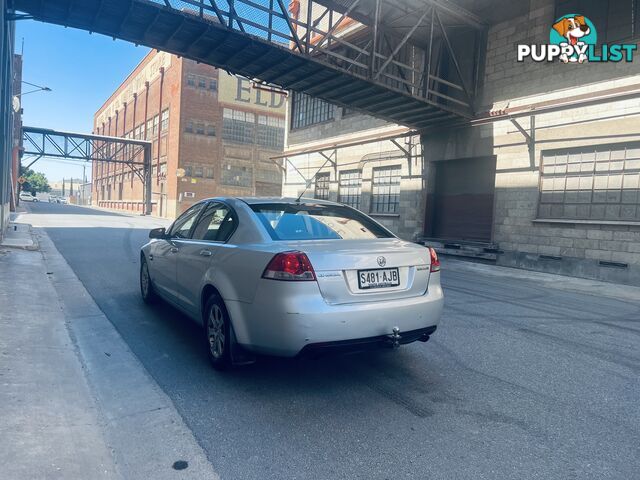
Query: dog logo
x,y
574,34
573,39
382,261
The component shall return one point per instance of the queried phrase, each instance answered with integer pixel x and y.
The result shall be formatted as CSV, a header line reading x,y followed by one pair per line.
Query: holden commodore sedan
x,y
286,277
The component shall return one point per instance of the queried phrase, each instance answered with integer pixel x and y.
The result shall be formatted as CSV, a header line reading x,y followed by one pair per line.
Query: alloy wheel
x,y
144,279
215,331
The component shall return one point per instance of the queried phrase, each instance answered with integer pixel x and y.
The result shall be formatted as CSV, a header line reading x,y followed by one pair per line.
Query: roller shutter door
x,y
463,200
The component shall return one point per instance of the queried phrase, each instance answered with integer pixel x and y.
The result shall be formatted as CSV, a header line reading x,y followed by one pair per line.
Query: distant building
x,y
212,133
83,194
65,187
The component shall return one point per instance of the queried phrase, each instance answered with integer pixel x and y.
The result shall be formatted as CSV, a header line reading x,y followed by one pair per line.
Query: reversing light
x,y
290,266
435,263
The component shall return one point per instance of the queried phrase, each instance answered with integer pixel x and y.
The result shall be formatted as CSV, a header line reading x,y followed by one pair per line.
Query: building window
x,y
213,84
385,190
270,132
209,172
149,130
189,127
268,175
238,126
350,188
198,172
164,126
191,80
322,186
202,82
307,110
200,128
237,175
156,124
188,171
615,20
591,183
211,131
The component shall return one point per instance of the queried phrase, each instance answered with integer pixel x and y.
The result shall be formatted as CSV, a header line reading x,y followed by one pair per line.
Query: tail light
x,y
290,266
435,263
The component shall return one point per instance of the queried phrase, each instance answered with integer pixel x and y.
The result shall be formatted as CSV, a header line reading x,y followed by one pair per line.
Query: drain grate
x,y
613,264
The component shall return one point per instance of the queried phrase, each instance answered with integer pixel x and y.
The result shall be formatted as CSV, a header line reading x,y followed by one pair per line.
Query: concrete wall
x,y
608,250
577,247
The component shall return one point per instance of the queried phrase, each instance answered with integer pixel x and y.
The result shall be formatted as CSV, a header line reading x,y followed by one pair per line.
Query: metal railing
x,y
364,48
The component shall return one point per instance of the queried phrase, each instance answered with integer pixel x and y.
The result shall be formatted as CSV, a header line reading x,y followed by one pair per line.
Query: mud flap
x,y
239,355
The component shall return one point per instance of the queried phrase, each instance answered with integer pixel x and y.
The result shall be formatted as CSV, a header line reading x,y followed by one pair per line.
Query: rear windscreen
x,y
304,221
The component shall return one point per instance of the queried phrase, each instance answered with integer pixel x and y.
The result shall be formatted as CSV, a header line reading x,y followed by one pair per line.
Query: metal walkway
x,y
134,154
395,59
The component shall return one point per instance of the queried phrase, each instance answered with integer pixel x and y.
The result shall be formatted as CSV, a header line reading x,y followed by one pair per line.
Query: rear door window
x,y
216,223
307,221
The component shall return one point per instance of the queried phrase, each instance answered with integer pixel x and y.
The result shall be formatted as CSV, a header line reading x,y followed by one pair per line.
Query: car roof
x,y
266,200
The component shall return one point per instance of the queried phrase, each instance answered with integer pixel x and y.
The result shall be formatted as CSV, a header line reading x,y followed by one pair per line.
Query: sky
x,y
81,69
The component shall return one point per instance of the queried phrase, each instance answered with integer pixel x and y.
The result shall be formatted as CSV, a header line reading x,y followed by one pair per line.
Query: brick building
x,y
563,197
212,133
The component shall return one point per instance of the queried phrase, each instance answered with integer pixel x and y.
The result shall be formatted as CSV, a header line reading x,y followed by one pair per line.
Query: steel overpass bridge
x,y
135,154
412,62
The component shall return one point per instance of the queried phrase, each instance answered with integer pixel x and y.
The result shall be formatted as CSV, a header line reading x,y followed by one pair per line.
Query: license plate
x,y
378,278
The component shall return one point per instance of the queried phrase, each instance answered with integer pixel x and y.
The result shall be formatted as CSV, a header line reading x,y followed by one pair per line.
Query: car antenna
x,y
308,184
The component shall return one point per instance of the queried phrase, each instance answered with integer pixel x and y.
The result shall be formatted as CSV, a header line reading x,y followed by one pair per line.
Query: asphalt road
x,y
523,379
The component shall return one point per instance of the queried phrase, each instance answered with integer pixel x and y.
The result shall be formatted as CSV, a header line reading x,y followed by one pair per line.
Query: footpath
x,y
75,403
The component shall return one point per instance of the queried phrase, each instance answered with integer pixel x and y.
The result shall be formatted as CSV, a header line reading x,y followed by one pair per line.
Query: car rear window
x,y
306,221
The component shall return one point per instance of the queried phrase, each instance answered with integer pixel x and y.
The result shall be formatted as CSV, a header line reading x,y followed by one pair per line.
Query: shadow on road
x,y
517,372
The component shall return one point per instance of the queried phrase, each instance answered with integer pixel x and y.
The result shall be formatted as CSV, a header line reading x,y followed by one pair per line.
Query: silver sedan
x,y
288,277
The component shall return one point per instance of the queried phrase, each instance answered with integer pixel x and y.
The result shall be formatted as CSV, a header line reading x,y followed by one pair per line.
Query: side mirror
x,y
158,233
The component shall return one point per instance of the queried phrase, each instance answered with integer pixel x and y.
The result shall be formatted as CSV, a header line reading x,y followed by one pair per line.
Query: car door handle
x,y
174,250
206,253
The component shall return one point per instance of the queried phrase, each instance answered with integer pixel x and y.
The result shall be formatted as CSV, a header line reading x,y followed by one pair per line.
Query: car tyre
x,y
217,333
149,295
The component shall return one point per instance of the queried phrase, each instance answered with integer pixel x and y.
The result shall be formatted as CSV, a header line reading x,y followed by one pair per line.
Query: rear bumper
x,y
370,343
285,318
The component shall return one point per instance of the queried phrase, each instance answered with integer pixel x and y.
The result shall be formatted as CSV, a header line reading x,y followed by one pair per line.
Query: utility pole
x,y
84,183
63,186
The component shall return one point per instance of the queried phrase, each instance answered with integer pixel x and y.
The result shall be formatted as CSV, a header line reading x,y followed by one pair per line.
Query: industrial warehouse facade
x,y
545,177
532,163
213,134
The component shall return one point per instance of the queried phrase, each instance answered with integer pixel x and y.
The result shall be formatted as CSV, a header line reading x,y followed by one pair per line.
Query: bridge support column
x,y
146,173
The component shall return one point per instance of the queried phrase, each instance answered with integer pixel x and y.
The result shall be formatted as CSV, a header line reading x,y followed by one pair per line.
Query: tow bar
x,y
394,338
